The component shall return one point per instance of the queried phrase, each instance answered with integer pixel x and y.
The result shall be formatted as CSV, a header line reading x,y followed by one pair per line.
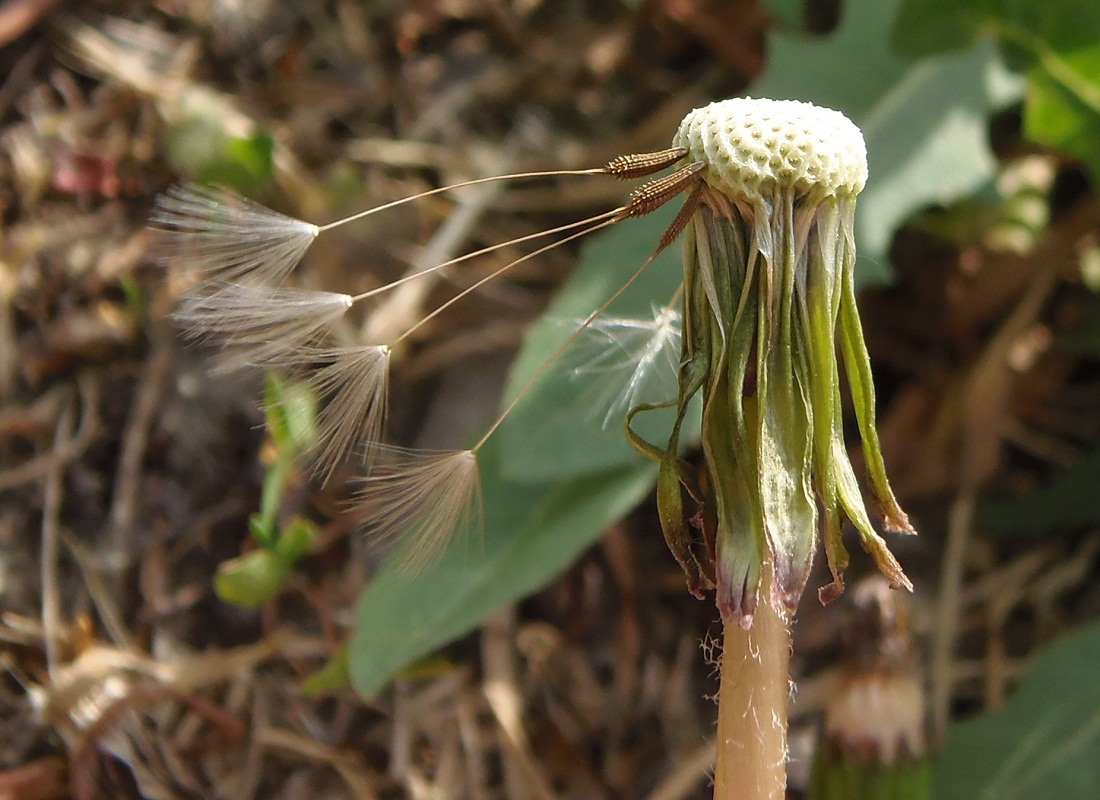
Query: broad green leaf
x,y
925,123
788,13
1055,41
1043,744
931,27
532,532
557,430
1069,500
1063,106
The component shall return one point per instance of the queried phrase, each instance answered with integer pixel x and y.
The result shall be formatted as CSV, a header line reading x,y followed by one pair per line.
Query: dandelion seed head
x,y
630,361
425,498
260,325
354,381
227,237
751,145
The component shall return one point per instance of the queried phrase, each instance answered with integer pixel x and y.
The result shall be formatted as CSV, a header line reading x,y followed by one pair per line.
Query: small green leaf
x,y
296,540
251,157
265,523
332,677
252,579
291,408
1043,744
532,532
262,529
199,146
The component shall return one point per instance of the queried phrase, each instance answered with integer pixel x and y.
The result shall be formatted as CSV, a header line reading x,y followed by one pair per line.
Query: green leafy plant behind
x,y
532,533
1069,500
1043,744
557,431
1056,44
254,578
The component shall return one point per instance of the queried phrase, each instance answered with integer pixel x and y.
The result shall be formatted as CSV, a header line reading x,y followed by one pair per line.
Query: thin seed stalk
x,y
751,762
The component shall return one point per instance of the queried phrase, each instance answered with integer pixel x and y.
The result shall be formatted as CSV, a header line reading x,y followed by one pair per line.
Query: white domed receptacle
x,y
756,146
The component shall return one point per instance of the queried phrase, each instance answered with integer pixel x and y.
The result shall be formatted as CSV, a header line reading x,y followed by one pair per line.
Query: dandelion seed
x,y
630,361
355,382
245,249
259,325
228,237
425,498
231,238
429,497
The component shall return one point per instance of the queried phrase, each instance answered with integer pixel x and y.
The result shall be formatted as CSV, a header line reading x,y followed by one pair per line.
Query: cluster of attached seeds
x,y
753,145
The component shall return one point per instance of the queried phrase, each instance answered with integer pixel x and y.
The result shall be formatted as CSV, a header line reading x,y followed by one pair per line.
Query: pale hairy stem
x,y
751,762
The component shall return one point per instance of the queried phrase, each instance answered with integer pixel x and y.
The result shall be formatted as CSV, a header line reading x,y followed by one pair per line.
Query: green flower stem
x,y
751,761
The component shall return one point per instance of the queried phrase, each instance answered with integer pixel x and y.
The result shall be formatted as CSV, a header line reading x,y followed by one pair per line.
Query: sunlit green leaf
x,y
1054,41
532,532
1043,744
925,123
1063,109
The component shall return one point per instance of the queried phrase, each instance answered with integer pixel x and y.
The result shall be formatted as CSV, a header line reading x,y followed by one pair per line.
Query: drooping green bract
x,y
768,285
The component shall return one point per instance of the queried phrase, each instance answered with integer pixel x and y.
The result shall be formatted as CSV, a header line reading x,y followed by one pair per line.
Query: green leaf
x,y
789,13
925,123
1069,500
1063,106
296,539
1053,40
931,27
252,579
261,524
197,145
291,409
265,523
532,532
1043,744
556,431
332,677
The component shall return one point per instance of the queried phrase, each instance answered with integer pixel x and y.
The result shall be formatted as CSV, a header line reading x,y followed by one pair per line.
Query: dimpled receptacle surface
x,y
755,146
